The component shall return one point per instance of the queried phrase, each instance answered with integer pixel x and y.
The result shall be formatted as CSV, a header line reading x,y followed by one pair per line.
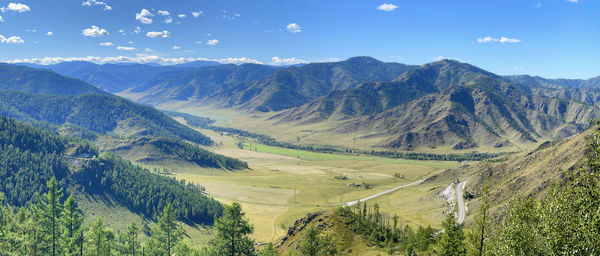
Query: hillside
x,y
36,81
100,113
522,175
295,86
30,157
108,77
197,83
156,151
445,103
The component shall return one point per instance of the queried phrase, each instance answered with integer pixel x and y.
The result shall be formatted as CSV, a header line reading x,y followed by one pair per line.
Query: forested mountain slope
x,y
37,81
30,157
97,112
109,77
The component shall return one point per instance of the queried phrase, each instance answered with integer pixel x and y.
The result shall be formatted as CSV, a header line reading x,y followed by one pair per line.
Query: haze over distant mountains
x,y
445,103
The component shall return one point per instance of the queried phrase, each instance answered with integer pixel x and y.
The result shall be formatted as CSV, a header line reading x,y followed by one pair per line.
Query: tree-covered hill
x,y
157,150
109,77
97,112
30,157
37,81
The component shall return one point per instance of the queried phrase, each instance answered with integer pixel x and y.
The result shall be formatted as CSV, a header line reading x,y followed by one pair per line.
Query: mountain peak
x,y
362,59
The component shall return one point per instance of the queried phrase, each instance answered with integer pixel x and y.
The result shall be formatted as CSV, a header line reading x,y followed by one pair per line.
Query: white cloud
x,y
1,19
438,58
181,16
212,42
106,44
538,5
95,2
125,48
198,42
144,16
50,33
140,58
387,7
31,30
163,13
503,39
197,14
94,31
573,1
16,7
137,30
148,50
518,68
158,34
294,28
176,47
168,20
286,61
11,40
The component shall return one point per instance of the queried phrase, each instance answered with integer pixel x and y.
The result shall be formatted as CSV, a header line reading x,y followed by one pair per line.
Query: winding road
x,y
382,193
460,202
323,205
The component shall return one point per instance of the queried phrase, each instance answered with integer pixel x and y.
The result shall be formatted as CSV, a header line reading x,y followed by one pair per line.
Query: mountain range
x,y
446,103
407,107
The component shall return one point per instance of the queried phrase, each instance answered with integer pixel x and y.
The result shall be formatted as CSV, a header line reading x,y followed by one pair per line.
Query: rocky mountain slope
x,y
446,103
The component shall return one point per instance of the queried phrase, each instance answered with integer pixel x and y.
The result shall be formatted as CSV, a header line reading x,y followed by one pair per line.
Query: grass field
x,y
283,185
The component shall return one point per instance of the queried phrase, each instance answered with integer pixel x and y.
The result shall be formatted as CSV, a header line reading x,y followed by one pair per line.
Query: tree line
x,y
198,155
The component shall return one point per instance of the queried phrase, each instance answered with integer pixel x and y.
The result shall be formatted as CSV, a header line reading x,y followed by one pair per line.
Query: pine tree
x,y
72,224
451,241
166,235
51,216
97,236
132,241
478,235
232,233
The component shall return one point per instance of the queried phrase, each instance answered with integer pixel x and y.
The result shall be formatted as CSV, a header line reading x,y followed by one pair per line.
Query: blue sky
x,y
558,38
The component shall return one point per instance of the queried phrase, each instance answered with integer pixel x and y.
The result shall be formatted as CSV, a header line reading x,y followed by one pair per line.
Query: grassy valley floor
x,y
283,185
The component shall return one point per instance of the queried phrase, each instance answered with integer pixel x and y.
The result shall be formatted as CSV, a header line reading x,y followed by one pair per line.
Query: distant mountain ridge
x,y
198,83
295,86
446,103
30,80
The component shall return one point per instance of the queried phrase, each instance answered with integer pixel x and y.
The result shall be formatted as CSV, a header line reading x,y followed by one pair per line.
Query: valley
x,y
404,146
282,185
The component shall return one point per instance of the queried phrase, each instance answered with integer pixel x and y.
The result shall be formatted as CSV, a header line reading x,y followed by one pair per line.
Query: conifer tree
x,y
232,233
451,242
72,224
51,216
132,241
